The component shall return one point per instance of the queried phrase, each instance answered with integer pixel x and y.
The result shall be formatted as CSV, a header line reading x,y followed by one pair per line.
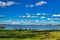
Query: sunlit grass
x,y
31,35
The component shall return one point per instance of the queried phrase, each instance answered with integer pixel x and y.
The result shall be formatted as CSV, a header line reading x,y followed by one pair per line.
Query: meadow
x,y
29,34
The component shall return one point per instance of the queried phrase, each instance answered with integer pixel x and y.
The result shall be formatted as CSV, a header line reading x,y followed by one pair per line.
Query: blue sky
x,y
34,12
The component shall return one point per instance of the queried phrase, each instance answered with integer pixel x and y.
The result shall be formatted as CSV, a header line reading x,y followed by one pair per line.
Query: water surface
x,y
8,27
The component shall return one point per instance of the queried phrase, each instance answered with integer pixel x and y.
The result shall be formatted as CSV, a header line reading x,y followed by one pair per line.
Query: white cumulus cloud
x,y
38,14
31,5
28,15
56,15
40,3
42,17
9,3
53,19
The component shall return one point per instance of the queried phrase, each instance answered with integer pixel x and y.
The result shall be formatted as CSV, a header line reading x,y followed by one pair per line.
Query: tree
x,y
2,27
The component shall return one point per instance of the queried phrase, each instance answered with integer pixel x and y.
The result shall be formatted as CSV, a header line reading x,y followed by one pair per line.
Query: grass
x,y
29,34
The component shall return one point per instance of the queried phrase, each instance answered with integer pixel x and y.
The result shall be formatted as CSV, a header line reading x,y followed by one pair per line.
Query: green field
x,y
29,35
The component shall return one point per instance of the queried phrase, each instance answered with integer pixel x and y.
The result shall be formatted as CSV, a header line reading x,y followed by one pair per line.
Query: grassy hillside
x,y
29,35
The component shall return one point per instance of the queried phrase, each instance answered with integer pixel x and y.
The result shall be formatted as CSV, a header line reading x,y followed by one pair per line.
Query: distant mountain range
x,y
33,25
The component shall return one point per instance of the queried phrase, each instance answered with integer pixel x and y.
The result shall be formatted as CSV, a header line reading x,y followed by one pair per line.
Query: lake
x,y
8,27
